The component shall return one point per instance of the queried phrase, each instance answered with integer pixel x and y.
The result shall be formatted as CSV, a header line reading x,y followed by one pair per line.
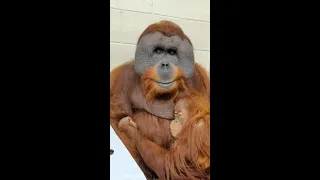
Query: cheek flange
x,y
146,57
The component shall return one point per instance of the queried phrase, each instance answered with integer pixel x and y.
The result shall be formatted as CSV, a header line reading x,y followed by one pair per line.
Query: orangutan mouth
x,y
165,84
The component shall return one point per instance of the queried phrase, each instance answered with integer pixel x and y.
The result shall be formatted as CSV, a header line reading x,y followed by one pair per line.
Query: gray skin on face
x,y
173,51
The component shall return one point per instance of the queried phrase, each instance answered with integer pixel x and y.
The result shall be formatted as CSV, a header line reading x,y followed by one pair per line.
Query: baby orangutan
x,y
189,156
181,115
182,110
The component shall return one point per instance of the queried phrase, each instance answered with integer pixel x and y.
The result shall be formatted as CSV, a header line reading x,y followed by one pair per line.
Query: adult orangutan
x,y
144,89
189,155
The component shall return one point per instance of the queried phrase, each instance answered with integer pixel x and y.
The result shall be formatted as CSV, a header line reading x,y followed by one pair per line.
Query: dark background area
x,y
55,120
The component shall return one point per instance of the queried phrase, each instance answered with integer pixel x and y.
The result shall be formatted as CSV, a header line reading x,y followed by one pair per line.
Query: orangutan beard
x,y
152,90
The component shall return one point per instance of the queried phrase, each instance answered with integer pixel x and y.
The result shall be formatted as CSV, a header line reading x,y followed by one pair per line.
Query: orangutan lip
x,y
165,84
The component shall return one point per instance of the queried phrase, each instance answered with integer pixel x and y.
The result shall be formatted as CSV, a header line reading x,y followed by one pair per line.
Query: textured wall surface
x,y
129,18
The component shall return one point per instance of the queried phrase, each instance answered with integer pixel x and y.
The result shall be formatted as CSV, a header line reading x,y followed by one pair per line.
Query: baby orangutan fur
x,y
189,155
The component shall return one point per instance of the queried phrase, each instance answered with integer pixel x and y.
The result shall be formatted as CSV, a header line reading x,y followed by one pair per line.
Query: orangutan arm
x,y
120,87
120,105
152,154
155,156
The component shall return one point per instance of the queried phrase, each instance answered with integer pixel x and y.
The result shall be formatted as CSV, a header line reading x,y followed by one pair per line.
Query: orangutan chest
x,y
159,108
155,129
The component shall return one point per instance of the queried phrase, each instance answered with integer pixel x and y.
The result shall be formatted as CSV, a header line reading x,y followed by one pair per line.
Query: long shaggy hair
x,y
190,153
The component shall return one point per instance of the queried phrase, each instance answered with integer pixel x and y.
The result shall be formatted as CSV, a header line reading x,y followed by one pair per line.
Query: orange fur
x,y
203,78
167,28
154,130
151,89
189,156
190,153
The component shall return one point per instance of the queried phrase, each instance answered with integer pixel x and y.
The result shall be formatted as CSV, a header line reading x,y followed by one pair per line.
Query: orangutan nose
x,y
165,71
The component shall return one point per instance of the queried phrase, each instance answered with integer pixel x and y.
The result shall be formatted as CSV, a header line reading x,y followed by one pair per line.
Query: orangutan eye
x,y
159,50
172,51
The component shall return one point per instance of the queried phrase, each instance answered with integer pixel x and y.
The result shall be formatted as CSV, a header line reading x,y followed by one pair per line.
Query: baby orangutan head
x,y
188,106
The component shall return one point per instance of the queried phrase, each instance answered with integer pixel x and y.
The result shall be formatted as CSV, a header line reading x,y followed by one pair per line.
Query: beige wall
x,y
129,18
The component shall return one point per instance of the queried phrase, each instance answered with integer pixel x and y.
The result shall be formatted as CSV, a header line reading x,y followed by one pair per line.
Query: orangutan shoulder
x,y
202,77
119,73
203,72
